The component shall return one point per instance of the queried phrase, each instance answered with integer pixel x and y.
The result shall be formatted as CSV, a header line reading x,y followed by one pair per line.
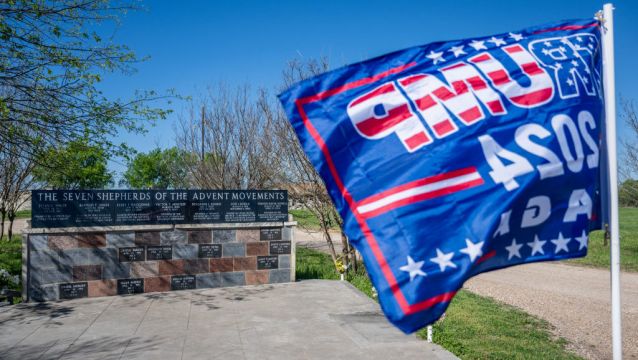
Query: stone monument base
x,y
69,263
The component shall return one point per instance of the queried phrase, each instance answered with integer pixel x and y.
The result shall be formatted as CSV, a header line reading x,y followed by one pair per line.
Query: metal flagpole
x,y
609,84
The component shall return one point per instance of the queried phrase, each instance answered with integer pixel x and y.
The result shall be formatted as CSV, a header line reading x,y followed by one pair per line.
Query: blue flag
x,y
456,158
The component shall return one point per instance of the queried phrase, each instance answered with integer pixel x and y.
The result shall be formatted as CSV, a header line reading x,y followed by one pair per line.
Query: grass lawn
x,y
598,253
305,218
23,214
11,256
475,327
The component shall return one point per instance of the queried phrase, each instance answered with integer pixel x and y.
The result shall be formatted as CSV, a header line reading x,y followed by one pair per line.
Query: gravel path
x,y
574,299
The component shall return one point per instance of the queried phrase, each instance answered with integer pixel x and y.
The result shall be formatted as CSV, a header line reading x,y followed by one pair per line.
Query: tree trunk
x,y
3,215
346,251
10,229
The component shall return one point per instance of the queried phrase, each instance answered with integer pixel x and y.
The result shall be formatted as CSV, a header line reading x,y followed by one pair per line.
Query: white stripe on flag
x,y
419,190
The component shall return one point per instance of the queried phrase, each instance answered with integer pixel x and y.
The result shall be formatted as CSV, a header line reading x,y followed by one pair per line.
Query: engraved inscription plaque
x,y
64,208
210,250
279,247
163,252
131,254
270,234
183,282
130,286
74,290
267,262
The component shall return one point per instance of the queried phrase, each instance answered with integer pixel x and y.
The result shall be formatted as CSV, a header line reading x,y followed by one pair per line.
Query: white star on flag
x,y
435,57
516,37
457,50
537,245
413,267
582,240
444,260
473,250
478,45
497,41
561,243
513,250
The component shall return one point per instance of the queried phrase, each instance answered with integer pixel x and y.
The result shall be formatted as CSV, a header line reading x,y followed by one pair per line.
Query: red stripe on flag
x,y
499,77
533,98
387,88
422,197
373,126
417,140
417,183
566,27
443,128
532,69
513,49
354,84
424,305
487,256
471,115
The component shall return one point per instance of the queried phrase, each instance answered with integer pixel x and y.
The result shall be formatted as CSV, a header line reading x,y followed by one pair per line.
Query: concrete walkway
x,y
314,319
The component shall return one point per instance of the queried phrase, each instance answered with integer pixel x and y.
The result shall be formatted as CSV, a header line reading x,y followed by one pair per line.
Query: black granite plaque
x,y
70,208
131,254
210,250
270,234
279,247
74,290
163,252
267,262
182,282
130,286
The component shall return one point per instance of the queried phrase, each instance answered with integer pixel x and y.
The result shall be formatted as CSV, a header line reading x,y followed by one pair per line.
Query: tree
x,y
50,66
628,193
303,183
628,190
157,169
15,183
78,166
231,142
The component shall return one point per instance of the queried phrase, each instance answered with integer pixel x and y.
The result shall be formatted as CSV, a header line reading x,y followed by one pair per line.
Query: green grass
x,y
23,214
475,327
305,218
11,256
598,253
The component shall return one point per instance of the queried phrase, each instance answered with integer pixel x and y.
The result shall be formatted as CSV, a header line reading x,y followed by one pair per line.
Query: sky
x,y
192,45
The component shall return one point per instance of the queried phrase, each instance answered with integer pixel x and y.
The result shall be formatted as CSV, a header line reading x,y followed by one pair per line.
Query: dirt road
x,y
575,300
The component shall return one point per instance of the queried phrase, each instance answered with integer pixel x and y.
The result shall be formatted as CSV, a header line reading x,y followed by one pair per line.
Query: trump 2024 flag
x,y
456,158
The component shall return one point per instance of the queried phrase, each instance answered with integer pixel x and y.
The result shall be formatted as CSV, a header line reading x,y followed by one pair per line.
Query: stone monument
x,y
88,243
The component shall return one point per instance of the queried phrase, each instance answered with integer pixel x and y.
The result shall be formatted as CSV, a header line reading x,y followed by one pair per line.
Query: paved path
x,y
575,300
315,240
18,226
314,319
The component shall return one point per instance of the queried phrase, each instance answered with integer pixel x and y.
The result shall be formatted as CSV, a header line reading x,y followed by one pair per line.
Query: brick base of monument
x,y
91,263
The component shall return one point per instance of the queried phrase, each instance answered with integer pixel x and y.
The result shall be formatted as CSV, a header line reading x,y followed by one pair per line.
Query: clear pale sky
x,y
194,44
